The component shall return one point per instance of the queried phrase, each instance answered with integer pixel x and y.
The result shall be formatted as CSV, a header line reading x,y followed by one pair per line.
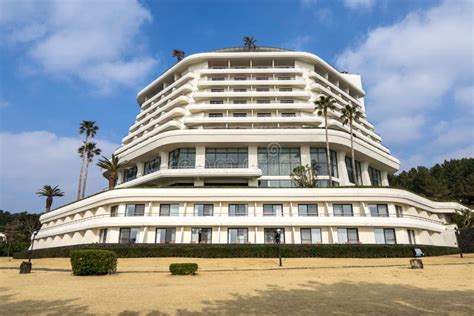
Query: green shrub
x,y
183,268
93,262
14,247
247,251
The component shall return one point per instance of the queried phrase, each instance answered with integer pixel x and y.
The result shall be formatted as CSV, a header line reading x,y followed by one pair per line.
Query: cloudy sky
x,y
66,61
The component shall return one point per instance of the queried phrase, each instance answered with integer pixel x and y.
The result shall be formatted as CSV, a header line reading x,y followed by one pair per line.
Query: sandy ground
x,y
243,286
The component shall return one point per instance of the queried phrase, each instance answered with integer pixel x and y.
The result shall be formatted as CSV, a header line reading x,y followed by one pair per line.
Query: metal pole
x,y
30,253
456,232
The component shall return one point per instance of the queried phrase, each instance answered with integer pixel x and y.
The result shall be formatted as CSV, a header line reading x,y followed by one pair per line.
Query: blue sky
x,y
66,61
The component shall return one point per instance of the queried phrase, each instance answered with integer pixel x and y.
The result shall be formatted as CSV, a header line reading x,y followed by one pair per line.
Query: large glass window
x,y
165,235
203,209
347,235
152,165
238,210
399,210
272,210
226,157
358,171
411,237
103,236
130,174
311,236
114,211
128,235
385,236
275,161
276,184
237,235
269,235
375,177
319,158
169,209
307,210
378,210
201,235
135,210
182,158
343,210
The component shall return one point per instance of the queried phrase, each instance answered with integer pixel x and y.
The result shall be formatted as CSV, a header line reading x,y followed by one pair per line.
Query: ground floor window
x,y
411,237
311,236
165,235
201,235
307,210
385,236
269,235
347,235
128,235
238,235
103,236
169,209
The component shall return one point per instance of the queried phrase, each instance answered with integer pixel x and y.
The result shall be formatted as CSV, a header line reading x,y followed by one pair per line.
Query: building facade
x,y
209,158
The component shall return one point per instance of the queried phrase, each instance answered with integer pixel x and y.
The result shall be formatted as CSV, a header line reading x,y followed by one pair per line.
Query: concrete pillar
x,y
305,155
140,166
200,157
342,169
198,182
365,173
164,160
253,157
384,175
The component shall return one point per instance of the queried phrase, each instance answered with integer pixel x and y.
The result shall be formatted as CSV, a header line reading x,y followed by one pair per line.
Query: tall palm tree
x,y
90,151
350,113
112,168
50,192
90,129
178,54
322,106
249,42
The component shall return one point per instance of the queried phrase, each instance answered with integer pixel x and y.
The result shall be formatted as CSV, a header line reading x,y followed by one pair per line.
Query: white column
x,y
164,160
365,173
342,168
200,157
253,157
305,155
384,178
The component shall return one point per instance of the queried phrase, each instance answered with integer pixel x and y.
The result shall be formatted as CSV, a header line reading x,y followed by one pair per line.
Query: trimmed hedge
x,y
183,268
248,251
93,262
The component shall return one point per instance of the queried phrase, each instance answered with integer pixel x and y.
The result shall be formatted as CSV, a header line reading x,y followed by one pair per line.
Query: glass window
x,y
287,101
358,171
288,114
343,210
182,158
165,235
319,159
114,211
169,209
239,114
237,209
276,184
378,210
226,158
325,183
269,235
103,236
201,235
237,236
411,237
375,177
311,236
152,165
130,174
272,210
307,209
278,161
216,102
203,209
216,115
135,210
385,236
266,114
399,210
128,235
347,235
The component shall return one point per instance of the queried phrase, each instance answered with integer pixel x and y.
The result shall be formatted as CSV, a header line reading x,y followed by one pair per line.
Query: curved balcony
x,y
175,84
266,70
202,83
198,120
172,125
300,106
204,95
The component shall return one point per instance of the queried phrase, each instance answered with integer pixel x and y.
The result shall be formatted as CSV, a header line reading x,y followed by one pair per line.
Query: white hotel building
x,y
210,153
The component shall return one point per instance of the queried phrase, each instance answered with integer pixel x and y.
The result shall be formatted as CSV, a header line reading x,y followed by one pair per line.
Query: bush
x,y
93,262
183,268
247,251
466,239
15,247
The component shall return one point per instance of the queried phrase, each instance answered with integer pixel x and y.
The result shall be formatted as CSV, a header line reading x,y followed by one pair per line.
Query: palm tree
x,y
112,168
249,42
49,192
90,129
322,106
350,113
90,151
179,54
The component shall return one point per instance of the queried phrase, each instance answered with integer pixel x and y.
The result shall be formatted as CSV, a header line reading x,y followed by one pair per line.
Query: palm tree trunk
x,y
328,155
49,202
352,156
82,168
112,182
85,179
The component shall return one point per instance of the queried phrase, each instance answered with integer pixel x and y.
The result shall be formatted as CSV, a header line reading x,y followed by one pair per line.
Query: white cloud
x,y
410,71
356,4
77,38
299,42
31,159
